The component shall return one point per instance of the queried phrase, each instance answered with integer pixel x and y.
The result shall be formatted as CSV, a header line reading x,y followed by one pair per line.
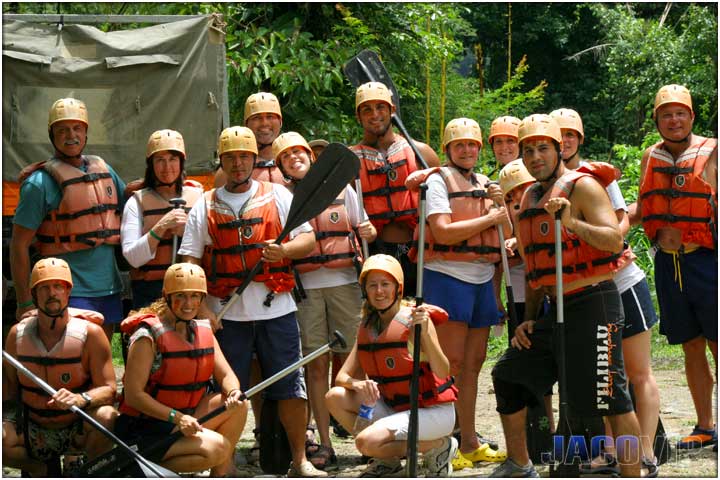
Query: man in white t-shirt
x,y
637,304
228,233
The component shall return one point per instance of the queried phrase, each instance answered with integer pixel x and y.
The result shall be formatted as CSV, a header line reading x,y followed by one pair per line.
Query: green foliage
x,y
642,55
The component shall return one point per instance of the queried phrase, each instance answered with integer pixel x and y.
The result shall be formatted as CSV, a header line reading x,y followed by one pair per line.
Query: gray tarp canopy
x,y
134,82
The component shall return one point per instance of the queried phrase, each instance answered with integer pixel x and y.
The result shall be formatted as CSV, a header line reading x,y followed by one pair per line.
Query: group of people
x,y
191,249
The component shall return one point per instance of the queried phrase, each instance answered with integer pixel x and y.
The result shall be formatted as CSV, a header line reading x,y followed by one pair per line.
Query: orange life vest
x,y
237,243
60,367
387,360
185,368
674,193
336,245
89,212
537,231
382,178
467,201
152,207
267,171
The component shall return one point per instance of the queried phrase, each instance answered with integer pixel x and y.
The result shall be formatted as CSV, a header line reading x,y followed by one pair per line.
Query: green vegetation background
x,y
477,60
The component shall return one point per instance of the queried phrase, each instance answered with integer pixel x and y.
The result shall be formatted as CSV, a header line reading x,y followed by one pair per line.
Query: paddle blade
x,y
365,67
336,167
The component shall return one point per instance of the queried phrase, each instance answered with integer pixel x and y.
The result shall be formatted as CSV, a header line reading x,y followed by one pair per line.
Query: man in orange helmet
x,y
677,205
73,356
386,160
592,354
70,208
263,116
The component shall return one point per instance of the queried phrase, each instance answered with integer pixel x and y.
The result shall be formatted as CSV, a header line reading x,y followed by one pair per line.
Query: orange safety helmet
x,y
184,277
569,119
50,269
539,125
387,264
507,125
673,94
165,140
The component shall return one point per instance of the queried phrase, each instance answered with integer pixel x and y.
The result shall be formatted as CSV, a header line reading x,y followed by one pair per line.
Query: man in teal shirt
x,y
78,222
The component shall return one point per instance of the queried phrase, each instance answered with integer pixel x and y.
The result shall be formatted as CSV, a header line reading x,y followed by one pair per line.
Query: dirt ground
x,y
676,410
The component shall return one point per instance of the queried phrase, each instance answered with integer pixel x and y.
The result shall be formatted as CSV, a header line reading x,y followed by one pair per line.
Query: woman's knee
x,y
334,398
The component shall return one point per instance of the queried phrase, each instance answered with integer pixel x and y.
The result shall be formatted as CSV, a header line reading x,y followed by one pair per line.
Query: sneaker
x,y
650,466
699,438
510,469
438,461
306,470
383,467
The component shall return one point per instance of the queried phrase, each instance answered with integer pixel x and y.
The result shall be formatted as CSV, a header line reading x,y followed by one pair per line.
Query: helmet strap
x,y
464,171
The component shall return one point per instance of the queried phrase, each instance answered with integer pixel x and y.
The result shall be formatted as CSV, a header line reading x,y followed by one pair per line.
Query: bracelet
x,y
231,391
29,303
171,417
155,235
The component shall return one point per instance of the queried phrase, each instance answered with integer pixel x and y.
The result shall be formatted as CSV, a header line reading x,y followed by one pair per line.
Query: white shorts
x,y
433,422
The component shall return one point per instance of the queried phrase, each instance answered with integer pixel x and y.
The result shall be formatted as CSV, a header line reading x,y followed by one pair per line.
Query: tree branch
x,y
597,50
665,14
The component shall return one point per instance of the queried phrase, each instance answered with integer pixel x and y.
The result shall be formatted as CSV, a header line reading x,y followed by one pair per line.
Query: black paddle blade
x,y
336,167
365,67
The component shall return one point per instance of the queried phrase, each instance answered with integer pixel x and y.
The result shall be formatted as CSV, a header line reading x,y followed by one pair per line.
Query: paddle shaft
x,y
412,445
562,380
361,211
153,468
176,203
397,120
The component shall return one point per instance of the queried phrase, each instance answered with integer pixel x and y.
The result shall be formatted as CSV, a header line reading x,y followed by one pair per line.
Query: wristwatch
x,y
86,396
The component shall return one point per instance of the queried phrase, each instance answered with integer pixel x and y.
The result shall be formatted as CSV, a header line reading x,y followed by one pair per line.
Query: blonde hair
x,y
159,307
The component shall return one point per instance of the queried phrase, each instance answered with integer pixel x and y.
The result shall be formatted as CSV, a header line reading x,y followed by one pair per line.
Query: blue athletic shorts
x,y
277,345
639,309
110,306
465,302
692,311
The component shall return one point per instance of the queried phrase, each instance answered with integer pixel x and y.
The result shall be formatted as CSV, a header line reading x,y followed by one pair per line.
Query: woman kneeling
x,y
377,374
171,359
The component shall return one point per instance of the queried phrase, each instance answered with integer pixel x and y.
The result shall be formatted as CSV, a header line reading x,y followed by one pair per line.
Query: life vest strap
x,y
471,194
48,361
673,170
81,238
673,193
670,218
87,178
195,353
240,222
103,207
374,347
324,258
385,191
324,235
392,214
387,167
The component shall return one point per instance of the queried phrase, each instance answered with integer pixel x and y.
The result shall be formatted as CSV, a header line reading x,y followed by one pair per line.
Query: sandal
x,y
311,446
485,454
649,468
605,464
324,458
459,462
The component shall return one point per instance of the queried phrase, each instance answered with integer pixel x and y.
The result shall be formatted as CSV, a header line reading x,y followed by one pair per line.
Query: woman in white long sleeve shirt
x,y
150,220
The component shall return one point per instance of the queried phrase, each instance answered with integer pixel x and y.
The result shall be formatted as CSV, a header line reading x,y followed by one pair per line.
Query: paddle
x,y
334,169
412,445
506,273
148,468
111,465
365,67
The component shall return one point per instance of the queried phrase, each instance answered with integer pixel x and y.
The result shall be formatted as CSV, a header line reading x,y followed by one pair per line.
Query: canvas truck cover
x,y
134,82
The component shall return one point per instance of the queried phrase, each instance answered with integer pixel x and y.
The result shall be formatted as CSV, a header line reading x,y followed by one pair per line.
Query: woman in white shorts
x,y
377,375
